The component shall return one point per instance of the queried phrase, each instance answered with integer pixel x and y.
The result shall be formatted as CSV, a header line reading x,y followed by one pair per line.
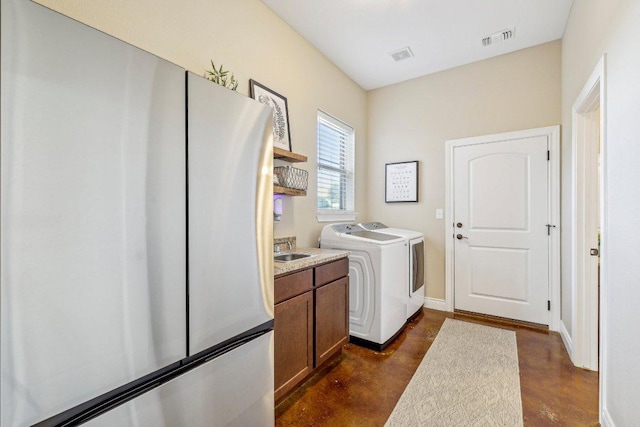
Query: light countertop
x,y
320,256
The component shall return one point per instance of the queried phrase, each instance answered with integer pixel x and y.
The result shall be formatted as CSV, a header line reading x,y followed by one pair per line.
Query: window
x,y
336,193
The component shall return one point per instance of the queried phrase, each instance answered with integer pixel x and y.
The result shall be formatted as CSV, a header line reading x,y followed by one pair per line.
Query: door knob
x,y
459,225
460,237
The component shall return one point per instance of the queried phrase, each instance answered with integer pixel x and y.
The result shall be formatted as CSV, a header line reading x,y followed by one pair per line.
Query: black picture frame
x,y
401,182
266,96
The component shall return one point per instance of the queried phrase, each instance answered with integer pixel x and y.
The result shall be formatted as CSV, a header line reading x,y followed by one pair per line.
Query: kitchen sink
x,y
290,257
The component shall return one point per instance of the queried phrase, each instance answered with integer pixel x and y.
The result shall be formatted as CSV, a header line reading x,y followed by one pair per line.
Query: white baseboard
x,y
605,419
566,339
435,304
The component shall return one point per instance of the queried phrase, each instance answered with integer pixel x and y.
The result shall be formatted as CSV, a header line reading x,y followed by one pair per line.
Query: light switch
x,y
439,214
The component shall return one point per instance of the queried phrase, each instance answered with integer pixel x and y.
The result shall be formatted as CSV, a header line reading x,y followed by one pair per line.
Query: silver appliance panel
x,y
346,228
372,235
93,219
234,390
230,213
372,225
359,230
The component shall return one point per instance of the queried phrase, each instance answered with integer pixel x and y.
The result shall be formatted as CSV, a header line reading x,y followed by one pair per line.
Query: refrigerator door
x,y
230,170
93,219
235,389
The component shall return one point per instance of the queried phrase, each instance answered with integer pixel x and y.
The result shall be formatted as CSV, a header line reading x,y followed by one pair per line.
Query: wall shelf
x,y
288,191
291,157
288,156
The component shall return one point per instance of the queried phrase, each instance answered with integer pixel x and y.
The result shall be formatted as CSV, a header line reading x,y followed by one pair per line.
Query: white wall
x,y
595,28
253,42
412,121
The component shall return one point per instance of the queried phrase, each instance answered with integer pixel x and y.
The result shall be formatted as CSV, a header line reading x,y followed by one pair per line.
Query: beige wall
x,y
250,40
412,121
596,28
584,42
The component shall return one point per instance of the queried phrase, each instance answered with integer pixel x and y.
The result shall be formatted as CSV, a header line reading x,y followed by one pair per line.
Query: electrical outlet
x,y
439,214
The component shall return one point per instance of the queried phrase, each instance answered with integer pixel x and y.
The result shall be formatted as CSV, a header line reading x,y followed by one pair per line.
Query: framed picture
x,y
281,135
401,182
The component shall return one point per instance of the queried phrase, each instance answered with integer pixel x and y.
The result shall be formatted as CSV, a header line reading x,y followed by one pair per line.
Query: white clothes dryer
x,y
414,291
377,308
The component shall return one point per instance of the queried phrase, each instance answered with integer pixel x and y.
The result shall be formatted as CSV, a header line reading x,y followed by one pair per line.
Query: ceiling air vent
x,y
498,37
402,54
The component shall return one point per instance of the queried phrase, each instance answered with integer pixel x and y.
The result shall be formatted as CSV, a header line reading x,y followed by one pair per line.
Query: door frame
x,y
584,292
553,136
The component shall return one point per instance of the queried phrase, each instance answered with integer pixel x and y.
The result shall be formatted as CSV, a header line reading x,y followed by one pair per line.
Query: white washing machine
x,y
377,308
414,290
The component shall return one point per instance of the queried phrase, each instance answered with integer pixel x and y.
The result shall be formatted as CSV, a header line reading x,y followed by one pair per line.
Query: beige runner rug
x,y
469,377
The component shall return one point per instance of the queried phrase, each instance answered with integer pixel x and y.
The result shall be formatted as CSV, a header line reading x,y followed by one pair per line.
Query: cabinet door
x,y
332,319
293,336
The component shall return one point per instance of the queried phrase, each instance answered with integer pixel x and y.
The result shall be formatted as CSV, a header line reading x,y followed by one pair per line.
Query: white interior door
x,y
501,245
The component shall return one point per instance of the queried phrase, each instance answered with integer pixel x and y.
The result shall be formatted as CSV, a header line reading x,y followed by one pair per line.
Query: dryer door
x,y
417,267
416,276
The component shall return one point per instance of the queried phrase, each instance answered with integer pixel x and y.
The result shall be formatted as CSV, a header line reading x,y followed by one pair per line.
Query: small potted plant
x,y
221,77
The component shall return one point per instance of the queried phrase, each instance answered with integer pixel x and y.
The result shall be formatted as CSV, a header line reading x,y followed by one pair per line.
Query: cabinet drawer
x,y
333,271
294,284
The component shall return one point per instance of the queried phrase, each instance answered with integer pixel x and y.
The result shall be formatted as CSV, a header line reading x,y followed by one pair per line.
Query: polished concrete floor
x,y
361,387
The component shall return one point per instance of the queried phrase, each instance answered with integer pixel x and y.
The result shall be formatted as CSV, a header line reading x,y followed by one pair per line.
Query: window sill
x,y
336,216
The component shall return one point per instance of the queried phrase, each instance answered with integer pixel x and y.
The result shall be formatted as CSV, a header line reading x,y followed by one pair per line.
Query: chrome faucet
x,y
276,246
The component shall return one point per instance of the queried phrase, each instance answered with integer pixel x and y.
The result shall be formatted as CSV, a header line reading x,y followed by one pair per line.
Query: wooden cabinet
x,y
293,330
311,321
331,319
289,286
293,342
331,309
329,272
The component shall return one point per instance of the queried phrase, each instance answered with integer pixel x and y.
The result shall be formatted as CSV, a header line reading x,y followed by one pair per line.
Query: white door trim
x,y
584,295
585,298
553,134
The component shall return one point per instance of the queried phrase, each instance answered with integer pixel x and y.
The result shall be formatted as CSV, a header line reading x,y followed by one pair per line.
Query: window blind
x,y
335,164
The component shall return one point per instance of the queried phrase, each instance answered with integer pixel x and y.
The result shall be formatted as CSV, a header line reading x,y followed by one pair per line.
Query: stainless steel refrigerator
x,y
135,236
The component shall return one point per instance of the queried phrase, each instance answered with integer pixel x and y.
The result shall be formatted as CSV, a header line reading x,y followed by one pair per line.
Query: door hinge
x,y
548,305
548,155
549,227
